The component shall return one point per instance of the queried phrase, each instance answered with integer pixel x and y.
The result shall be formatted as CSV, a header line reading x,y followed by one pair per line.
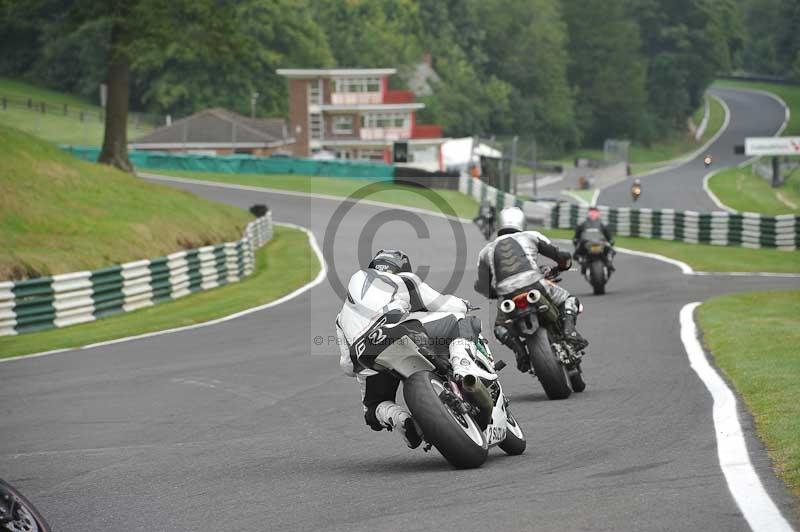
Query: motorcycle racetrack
x,y
249,425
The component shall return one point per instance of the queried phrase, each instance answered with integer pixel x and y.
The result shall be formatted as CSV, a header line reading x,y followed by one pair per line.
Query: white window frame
x,y
339,121
386,120
357,85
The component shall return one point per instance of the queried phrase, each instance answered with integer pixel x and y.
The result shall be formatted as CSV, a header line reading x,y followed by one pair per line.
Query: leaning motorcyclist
x,y
386,293
486,212
593,230
508,265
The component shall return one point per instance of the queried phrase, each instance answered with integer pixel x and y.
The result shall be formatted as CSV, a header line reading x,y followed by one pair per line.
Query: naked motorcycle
x,y
593,264
532,316
461,416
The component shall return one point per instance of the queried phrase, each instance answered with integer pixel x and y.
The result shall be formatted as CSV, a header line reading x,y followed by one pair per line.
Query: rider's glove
x,y
564,260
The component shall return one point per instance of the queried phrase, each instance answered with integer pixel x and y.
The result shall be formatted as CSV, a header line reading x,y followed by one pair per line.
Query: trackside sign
x,y
772,146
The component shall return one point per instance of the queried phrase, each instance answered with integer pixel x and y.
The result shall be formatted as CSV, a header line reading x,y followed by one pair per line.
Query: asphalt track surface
x,y
752,114
248,425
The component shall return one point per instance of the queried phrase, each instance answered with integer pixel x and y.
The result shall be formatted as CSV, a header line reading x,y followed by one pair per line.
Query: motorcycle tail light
x,y
507,306
521,301
534,296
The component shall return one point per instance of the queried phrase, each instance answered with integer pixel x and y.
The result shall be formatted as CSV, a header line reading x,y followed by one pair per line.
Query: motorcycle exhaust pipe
x,y
476,393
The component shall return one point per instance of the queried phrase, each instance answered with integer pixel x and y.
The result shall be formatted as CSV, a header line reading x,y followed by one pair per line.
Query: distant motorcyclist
x,y
707,160
509,264
593,230
388,292
485,219
636,189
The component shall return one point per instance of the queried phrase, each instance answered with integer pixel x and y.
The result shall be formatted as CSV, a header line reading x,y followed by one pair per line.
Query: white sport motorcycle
x,y
461,416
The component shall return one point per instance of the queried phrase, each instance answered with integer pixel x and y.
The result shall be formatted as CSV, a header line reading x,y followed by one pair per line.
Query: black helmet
x,y
390,260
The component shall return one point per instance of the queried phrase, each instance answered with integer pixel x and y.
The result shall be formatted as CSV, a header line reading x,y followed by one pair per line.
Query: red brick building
x,y
353,113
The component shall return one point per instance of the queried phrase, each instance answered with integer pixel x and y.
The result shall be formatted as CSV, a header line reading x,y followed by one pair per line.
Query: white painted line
x,y
323,272
579,199
711,194
314,195
756,506
595,196
750,274
685,268
701,129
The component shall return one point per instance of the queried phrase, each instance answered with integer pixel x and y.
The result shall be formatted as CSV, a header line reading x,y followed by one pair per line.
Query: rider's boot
x,y
393,416
462,360
572,335
509,340
609,263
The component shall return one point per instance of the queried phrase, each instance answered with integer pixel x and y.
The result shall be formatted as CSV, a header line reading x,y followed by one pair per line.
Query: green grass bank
x,y
54,125
753,338
59,215
283,265
744,190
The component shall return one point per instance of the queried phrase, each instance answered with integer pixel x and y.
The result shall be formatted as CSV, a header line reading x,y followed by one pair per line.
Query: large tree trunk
x,y
115,139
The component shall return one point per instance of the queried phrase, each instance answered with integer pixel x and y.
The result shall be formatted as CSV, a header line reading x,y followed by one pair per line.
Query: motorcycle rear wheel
x,y
597,277
548,370
456,436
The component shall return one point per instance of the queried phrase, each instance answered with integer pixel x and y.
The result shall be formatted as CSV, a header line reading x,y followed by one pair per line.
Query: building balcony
x,y
426,131
384,133
398,97
355,98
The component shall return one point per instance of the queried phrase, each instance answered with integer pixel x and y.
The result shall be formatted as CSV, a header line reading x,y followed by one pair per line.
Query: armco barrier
x,y
71,298
245,164
746,229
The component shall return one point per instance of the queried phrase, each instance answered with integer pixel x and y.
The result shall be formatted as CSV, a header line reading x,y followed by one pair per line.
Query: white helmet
x,y
512,220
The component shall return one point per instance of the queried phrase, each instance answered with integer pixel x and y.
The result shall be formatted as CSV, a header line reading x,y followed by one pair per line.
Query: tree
x,y
370,33
525,44
606,70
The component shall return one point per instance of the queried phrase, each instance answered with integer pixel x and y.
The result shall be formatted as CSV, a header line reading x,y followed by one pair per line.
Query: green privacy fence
x,y
80,297
245,164
746,229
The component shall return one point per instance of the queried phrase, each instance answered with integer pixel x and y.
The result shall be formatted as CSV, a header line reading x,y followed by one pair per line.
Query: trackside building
x,y
352,113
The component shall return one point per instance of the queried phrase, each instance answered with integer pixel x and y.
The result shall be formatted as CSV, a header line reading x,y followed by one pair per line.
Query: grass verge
x,y
463,206
743,190
790,94
284,264
54,126
705,257
585,195
753,338
701,257
58,214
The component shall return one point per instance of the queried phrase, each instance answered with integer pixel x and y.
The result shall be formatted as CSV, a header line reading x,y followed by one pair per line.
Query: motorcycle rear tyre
x,y
548,370
597,277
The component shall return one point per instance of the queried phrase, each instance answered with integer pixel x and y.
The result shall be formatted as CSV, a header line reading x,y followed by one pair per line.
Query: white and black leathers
x,y
372,294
